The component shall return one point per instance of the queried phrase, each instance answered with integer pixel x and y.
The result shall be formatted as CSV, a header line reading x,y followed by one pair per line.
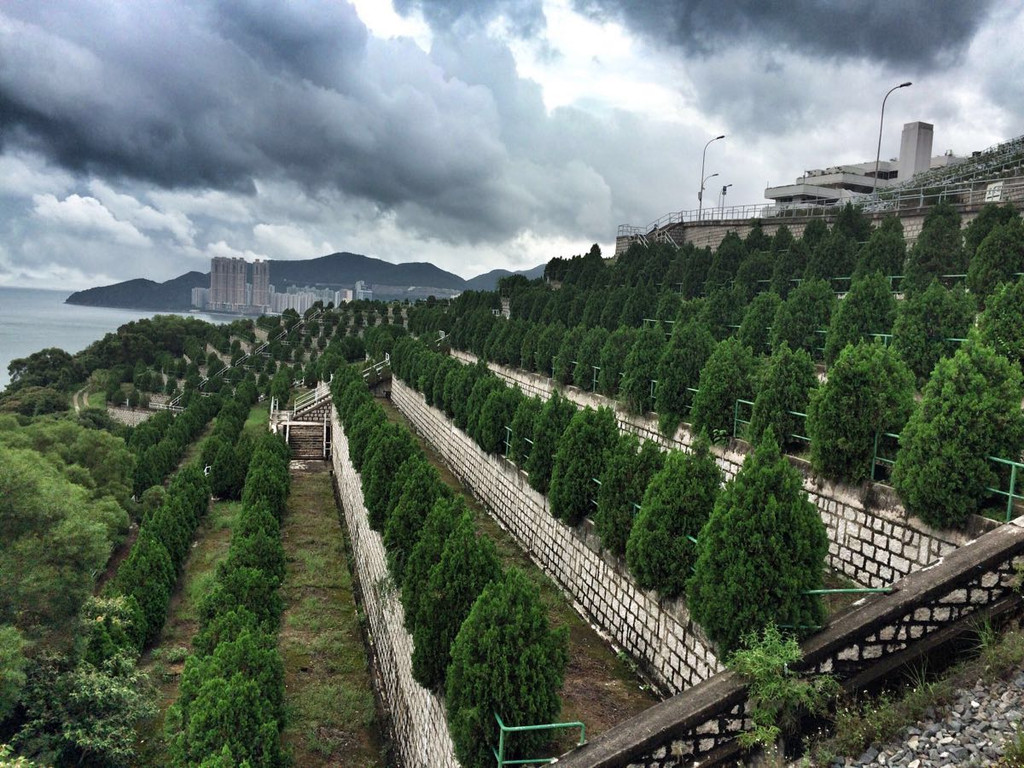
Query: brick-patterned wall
x,y
418,716
660,636
874,546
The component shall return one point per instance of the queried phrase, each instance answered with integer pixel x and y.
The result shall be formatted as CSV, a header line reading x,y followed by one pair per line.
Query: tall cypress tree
x,y
762,549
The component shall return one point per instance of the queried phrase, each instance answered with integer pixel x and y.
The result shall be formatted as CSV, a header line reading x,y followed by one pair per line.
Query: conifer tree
x,y
926,323
678,370
786,383
552,421
969,410
505,660
885,250
869,391
630,466
589,358
727,376
1001,325
523,424
999,259
803,316
641,368
868,308
579,459
676,505
613,359
426,551
420,490
755,330
468,564
762,549
937,251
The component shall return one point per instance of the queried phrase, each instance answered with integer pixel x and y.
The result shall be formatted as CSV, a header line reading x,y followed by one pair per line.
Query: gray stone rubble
x,y
973,732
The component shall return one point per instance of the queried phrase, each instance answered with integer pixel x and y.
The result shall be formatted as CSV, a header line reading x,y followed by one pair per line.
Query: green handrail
x,y
499,753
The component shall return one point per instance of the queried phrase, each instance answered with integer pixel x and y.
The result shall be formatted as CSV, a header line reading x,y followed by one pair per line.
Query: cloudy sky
x,y
138,139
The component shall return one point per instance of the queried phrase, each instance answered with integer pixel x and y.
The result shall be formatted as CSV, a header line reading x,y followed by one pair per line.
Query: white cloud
x,y
127,208
88,216
284,241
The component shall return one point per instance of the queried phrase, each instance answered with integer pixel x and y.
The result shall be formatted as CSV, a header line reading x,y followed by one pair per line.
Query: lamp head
x,y
904,85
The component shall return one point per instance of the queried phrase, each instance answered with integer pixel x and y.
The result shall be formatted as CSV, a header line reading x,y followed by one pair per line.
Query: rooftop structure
x,y
847,183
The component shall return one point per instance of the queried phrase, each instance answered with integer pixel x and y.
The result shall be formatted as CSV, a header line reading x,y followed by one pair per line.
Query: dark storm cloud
x,y
902,33
525,17
220,95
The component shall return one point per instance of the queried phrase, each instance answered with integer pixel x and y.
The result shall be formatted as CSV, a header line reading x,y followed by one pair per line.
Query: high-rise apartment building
x,y
261,284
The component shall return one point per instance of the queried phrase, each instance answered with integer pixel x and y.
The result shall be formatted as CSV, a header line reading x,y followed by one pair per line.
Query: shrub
x,y
925,323
523,424
869,391
630,466
579,459
868,308
834,256
589,357
726,377
613,360
785,387
388,450
421,489
969,410
676,506
564,363
505,660
498,412
762,548
466,566
790,264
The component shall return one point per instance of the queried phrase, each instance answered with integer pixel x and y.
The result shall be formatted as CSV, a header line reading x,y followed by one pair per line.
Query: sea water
x,y
32,319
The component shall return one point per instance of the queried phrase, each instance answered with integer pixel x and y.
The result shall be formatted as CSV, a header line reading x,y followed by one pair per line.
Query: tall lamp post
x,y
725,188
878,152
700,194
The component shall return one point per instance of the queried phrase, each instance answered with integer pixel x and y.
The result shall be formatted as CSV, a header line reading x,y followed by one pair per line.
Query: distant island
x,y
390,281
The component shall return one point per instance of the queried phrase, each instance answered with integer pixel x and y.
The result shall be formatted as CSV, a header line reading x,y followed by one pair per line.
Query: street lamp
x,y
725,189
878,152
700,194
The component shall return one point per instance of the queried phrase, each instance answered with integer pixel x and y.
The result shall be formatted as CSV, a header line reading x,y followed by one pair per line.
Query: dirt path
x,y
328,688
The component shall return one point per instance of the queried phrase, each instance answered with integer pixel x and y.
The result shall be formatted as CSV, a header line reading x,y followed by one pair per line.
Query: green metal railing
x,y
503,729
1010,494
737,421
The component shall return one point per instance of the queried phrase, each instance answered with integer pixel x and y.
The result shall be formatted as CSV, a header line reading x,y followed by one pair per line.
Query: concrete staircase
x,y
309,440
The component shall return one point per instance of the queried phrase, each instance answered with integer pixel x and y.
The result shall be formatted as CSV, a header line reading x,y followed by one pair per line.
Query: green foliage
x,y
999,259
466,566
45,368
726,377
989,217
1001,325
869,391
630,466
245,587
641,367
579,459
676,505
589,357
554,417
505,660
807,311
785,387
969,410
790,264
679,369
778,695
12,669
925,321
497,413
868,308
54,541
564,363
755,330
937,251
762,548
80,714
726,261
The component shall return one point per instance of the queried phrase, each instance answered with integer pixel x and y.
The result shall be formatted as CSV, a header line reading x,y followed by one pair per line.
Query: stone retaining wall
x,y
418,716
872,544
660,636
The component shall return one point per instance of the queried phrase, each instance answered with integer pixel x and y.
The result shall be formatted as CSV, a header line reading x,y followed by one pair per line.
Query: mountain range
x,y
336,270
